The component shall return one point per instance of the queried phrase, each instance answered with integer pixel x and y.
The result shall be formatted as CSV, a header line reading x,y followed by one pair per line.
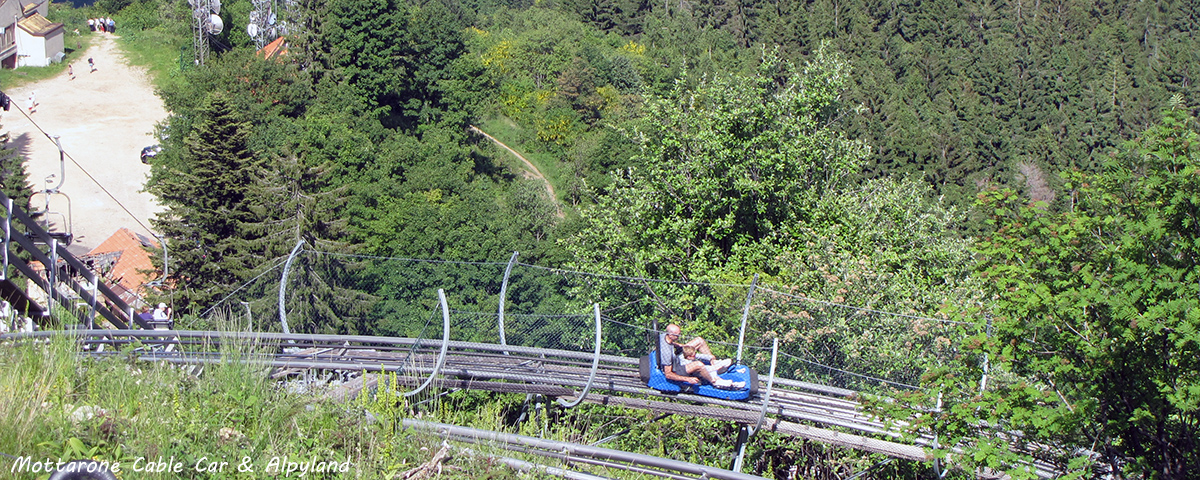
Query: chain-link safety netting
x,y
820,340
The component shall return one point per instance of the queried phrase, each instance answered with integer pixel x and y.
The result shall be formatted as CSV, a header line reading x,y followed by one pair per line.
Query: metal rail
x,y
582,453
595,366
27,241
441,360
475,363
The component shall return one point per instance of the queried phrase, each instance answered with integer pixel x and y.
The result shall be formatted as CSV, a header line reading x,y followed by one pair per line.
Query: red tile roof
x,y
132,259
276,47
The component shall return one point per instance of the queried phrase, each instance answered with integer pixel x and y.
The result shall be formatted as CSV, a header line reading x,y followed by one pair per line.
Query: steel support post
x,y
7,235
51,271
162,240
445,344
984,378
287,266
503,295
746,432
742,439
745,317
92,301
595,366
770,384
937,462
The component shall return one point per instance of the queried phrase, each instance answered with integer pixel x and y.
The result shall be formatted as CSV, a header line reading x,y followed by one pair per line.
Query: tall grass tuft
x,y
34,378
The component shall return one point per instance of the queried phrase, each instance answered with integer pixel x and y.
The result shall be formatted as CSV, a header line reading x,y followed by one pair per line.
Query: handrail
x,y
25,243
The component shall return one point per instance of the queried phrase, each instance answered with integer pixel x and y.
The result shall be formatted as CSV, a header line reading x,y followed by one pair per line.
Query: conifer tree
x,y
14,180
296,203
205,192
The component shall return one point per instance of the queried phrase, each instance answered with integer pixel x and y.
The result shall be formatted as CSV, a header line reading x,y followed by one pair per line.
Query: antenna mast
x,y
206,21
269,20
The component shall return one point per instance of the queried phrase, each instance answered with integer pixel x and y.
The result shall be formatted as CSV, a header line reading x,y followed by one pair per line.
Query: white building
x,y
27,38
10,12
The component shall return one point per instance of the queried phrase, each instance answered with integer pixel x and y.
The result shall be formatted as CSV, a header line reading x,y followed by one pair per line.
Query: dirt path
x,y
104,118
534,172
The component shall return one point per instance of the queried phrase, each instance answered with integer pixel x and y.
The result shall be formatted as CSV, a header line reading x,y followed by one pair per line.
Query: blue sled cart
x,y
654,378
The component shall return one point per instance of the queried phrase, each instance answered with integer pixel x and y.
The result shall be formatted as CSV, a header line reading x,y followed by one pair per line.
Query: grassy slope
x,y
155,50
230,412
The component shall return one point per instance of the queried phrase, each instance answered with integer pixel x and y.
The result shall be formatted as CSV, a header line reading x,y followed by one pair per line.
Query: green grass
x,y
233,412
229,413
522,140
155,50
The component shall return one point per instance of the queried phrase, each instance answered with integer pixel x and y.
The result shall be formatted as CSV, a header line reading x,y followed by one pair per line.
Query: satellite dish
x,y
271,21
216,6
215,24
252,30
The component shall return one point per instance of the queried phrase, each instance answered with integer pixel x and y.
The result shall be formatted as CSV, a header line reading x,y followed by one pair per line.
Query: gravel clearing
x,y
104,119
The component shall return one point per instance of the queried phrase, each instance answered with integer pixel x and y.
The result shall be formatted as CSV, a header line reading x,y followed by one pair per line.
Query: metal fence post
x,y
770,384
984,378
92,301
745,317
7,235
746,431
503,294
437,368
283,286
50,275
743,438
595,366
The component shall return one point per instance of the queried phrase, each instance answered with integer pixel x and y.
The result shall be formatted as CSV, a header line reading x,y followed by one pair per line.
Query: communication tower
x,y
206,22
269,20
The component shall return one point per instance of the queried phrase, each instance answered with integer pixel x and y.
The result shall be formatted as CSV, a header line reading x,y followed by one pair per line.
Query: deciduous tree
x,y
1095,349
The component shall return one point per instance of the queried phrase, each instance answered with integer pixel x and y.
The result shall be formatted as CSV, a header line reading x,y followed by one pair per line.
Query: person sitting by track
x,y
680,369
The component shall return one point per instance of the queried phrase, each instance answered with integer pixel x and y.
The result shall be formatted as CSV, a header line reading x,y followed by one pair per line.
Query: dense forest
x,y
1028,165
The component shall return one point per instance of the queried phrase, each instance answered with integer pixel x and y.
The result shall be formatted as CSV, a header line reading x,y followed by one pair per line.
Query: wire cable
x,y
864,309
89,175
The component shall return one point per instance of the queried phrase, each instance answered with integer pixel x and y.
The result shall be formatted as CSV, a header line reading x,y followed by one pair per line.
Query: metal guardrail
x,y
500,367
120,314
574,452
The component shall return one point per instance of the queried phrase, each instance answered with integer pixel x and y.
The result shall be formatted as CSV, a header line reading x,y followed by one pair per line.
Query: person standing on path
x,y
70,72
31,103
91,64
